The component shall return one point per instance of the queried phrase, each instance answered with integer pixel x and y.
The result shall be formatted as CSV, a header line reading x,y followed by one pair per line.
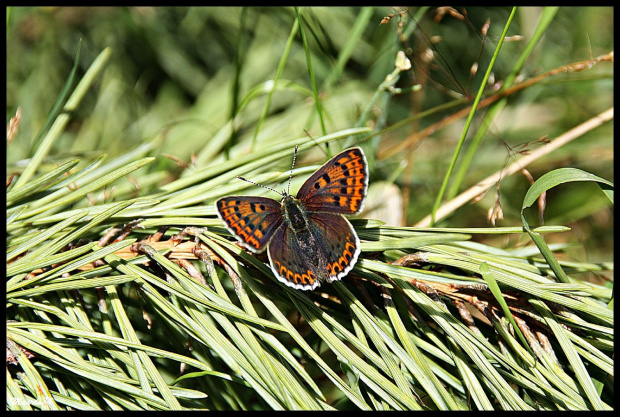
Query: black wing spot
x,y
248,224
343,190
262,207
326,178
317,185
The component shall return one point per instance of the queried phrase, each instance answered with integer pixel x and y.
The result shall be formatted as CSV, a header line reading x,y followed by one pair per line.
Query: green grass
x,y
147,116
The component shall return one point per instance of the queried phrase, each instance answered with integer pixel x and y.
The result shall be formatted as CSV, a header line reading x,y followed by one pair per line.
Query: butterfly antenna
x,y
292,166
260,185
317,143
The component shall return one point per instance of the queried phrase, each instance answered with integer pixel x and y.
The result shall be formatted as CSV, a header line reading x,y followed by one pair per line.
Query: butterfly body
x,y
308,239
294,214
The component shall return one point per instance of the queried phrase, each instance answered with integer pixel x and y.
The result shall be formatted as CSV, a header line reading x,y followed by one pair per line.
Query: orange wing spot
x,y
306,279
341,260
252,241
342,201
349,245
343,160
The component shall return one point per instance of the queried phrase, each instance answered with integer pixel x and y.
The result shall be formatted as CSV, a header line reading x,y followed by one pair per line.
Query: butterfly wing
x,y
337,241
326,251
339,186
289,257
252,220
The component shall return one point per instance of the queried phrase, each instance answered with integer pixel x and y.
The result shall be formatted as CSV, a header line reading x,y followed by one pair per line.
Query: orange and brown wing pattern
x,y
326,251
337,241
252,220
339,186
293,261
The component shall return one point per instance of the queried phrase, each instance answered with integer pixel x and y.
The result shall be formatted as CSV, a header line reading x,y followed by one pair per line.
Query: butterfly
x,y
308,241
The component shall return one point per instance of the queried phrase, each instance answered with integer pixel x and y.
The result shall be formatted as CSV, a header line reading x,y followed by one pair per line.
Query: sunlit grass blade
x,y
74,259
547,181
488,277
548,13
63,196
61,120
568,349
470,117
39,182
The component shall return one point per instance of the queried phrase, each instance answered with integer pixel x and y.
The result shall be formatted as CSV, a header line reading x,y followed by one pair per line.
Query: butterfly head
x,y
294,213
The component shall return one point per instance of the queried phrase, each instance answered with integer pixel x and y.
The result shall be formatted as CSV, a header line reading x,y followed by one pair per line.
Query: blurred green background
x,y
185,73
